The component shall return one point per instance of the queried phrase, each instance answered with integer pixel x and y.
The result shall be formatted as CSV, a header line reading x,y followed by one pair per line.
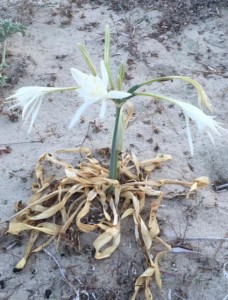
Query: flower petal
x,y
94,88
104,74
78,113
189,135
34,114
118,95
28,106
203,121
80,77
211,137
29,111
102,110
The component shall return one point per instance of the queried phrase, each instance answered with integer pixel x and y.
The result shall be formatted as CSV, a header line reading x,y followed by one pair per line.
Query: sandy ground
x,y
165,38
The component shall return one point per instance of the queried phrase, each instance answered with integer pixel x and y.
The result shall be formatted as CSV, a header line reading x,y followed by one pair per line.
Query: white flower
x,y
93,89
204,122
30,99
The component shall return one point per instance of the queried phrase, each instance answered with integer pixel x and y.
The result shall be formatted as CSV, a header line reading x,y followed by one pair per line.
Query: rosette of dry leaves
x,y
56,205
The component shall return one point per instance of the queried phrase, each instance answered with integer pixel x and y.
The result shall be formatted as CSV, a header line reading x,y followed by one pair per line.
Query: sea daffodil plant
x,y
92,88
88,182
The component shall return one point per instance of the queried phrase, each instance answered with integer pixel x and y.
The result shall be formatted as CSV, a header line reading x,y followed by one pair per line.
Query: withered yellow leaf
x,y
111,234
145,235
48,228
33,237
143,280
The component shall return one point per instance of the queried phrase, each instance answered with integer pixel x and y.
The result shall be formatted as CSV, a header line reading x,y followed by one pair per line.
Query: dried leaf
x,y
199,182
147,274
33,237
147,239
74,198
112,234
156,270
48,228
130,111
85,227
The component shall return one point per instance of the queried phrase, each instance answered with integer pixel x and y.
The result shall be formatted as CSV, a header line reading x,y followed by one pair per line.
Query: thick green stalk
x,y
116,143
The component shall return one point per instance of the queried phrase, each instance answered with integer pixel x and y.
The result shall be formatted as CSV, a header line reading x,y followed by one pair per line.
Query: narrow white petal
x,y
104,74
100,84
90,97
102,110
27,106
34,114
189,135
14,105
78,114
29,111
211,137
203,121
10,97
118,95
79,76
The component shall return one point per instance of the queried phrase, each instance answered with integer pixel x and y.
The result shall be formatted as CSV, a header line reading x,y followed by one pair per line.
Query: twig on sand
x,y
18,143
62,272
86,135
38,133
209,238
221,187
175,294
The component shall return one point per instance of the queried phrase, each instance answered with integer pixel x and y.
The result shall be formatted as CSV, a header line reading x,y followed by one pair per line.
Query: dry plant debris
x,y
57,204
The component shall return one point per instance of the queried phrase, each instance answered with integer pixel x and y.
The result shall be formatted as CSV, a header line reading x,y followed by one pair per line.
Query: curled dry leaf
x,y
58,204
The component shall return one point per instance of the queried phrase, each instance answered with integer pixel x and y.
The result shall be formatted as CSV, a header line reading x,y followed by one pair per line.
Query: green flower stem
x,y
202,96
70,88
116,143
156,96
183,78
155,80
137,86
165,78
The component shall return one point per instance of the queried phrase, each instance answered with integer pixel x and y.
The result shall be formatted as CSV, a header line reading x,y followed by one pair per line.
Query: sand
x,y
165,38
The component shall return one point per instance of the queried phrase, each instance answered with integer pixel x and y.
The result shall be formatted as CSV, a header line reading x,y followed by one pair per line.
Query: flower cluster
x,y
89,87
92,88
